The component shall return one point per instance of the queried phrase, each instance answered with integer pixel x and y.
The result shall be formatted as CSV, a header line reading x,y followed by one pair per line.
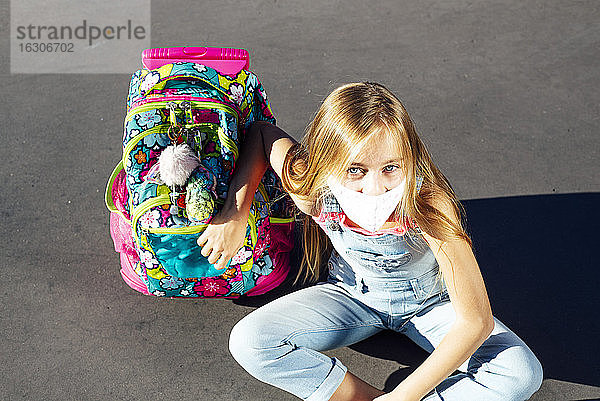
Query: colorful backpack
x,y
155,224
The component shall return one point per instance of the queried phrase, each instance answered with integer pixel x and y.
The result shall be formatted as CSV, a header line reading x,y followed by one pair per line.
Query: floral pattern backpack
x,y
155,226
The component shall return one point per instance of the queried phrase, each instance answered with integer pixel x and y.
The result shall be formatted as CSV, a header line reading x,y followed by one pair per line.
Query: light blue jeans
x,y
279,343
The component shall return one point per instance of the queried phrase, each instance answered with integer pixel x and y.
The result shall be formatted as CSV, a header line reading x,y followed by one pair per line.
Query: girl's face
x,y
376,169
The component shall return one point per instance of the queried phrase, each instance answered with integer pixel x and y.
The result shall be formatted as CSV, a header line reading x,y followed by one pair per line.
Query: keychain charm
x,y
177,194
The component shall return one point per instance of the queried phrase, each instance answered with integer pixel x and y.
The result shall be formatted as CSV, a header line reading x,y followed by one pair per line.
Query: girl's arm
x,y
225,234
474,320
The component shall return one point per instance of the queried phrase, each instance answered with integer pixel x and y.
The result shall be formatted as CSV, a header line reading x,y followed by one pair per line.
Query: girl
x,y
401,260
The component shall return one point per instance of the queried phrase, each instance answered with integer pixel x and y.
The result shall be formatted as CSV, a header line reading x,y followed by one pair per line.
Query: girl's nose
x,y
373,185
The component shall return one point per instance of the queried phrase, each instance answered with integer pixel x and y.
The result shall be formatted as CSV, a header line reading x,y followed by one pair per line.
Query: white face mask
x,y
368,211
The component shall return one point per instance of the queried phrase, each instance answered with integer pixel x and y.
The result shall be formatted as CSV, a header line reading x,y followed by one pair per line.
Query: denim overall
x,y
396,275
374,283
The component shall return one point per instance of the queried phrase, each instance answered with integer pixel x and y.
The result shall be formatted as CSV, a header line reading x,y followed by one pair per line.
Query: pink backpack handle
x,y
226,61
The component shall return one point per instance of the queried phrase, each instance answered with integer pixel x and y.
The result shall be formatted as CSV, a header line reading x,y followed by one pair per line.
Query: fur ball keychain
x,y
176,163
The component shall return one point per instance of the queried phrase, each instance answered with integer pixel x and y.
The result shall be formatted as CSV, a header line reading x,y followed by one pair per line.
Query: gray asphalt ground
x,y
505,94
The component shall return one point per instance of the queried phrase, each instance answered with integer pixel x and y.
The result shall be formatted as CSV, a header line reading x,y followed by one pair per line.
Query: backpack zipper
x,y
200,104
143,207
148,204
132,143
187,98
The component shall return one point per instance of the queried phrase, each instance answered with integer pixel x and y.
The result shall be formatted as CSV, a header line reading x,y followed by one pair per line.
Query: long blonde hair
x,y
349,118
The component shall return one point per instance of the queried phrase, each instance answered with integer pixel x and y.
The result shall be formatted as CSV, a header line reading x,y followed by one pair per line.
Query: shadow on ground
x,y
538,256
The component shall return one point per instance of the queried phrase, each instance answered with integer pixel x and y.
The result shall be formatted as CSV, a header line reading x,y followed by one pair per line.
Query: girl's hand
x,y
264,144
223,237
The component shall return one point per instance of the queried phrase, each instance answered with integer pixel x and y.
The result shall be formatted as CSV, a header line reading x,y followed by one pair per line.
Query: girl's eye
x,y
354,170
390,168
